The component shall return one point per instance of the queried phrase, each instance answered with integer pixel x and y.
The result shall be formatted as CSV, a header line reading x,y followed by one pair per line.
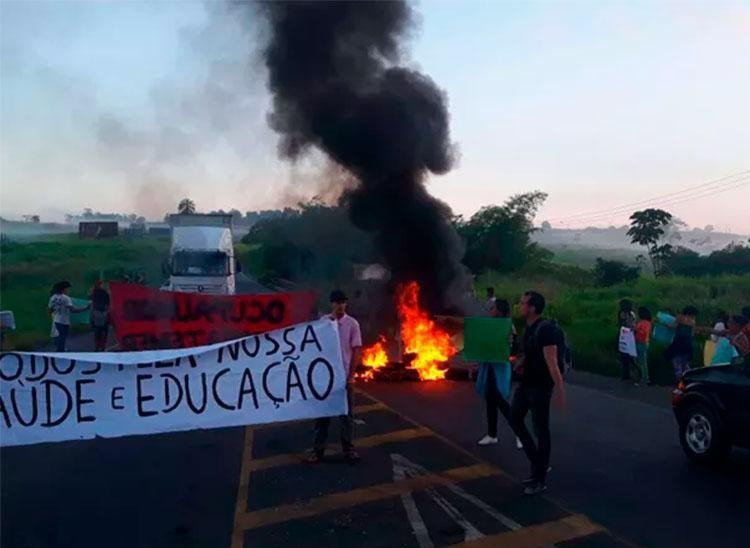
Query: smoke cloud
x,y
338,86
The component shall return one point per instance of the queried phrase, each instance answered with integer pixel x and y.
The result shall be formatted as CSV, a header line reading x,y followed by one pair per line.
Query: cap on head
x,y
338,296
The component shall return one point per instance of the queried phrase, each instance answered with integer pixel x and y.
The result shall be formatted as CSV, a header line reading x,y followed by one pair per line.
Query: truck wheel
x,y
701,435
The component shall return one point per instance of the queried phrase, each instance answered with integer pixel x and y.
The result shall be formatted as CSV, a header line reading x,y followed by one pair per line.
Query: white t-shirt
x,y
350,337
61,305
718,326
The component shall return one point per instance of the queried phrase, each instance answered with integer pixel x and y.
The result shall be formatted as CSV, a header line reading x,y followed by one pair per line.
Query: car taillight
x,y
678,393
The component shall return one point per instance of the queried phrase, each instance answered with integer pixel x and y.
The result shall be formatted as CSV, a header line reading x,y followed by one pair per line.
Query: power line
x,y
710,186
673,201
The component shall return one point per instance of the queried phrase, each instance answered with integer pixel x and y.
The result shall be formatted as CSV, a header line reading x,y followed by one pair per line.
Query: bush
x,y
733,259
608,273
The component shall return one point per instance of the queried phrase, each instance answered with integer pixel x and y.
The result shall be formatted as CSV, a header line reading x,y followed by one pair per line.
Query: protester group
x,y
527,383
727,339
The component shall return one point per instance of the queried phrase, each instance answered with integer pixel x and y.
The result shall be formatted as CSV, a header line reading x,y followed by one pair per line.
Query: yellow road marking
x,y
240,505
369,441
442,438
358,410
327,503
542,534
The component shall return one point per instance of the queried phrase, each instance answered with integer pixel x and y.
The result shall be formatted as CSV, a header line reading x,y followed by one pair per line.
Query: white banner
x,y
626,343
289,374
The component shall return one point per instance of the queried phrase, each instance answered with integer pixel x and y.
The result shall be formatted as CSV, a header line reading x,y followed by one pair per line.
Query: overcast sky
x,y
131,106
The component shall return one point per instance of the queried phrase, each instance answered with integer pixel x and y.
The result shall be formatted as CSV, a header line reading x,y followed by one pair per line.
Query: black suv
x,y
712,407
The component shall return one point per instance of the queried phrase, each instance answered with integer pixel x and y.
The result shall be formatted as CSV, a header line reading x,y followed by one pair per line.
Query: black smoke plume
x,y
337,85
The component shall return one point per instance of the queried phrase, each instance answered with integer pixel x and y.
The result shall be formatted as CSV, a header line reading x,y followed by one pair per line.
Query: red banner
x,y
146,318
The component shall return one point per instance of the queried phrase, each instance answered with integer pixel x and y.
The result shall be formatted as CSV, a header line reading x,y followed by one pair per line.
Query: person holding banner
x,y
350,338
626,342
60,307
493,381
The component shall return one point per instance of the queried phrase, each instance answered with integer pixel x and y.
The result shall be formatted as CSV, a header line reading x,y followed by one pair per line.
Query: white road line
x,y
403,467
412,512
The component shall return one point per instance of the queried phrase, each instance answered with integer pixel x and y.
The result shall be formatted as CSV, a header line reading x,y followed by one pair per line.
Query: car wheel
x,y
701,435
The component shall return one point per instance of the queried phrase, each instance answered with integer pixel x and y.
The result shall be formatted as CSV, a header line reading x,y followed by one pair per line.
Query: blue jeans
x,y
62,336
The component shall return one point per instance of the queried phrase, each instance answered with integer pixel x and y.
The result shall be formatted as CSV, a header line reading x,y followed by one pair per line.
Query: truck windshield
x,y
200,263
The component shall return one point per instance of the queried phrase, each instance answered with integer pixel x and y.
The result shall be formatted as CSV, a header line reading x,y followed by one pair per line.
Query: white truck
x,y
202,256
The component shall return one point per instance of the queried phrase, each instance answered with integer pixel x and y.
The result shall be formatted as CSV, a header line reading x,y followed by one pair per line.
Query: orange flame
x,y
421,336
375,355
430,344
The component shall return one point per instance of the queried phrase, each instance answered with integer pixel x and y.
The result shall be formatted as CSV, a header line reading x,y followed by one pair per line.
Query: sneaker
x,y
535,488
519,445
313,458
352,456
487,440
531,479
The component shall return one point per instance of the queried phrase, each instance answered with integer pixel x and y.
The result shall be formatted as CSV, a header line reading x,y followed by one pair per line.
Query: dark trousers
x,y
347,427
537,400
62,336
495,401
100,337
626,362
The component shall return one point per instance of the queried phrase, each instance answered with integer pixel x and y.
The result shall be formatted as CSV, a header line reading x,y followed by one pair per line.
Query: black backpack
x,y
564,353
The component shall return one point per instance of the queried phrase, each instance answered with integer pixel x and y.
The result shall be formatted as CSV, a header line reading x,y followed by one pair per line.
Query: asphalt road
x,y
615,458
618,476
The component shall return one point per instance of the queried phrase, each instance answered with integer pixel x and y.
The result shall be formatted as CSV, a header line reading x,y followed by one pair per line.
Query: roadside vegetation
x,y
316,246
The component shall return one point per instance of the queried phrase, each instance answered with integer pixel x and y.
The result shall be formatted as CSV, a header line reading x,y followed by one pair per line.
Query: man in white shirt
x,y
351,350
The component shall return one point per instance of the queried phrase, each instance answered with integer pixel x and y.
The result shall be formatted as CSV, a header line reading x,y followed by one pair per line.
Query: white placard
x,y
289,374
627,342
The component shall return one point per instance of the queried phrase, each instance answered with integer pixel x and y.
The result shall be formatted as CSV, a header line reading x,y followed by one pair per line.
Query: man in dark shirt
x,y
540,378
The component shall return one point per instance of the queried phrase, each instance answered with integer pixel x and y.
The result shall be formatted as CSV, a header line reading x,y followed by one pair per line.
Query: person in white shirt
x,y
351,349
722,320
60,307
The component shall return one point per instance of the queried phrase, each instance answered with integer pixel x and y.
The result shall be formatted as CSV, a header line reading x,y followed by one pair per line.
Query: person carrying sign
x,y
493,381
541,378
351,347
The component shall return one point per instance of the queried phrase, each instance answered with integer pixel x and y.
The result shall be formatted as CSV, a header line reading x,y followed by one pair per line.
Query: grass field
x,y
589,314
28,270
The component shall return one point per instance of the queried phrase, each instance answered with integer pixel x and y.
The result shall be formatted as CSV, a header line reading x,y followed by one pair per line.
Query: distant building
x,y
98,229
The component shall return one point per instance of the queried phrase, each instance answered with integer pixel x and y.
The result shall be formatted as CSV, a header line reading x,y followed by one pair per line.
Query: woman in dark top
x,y
99,315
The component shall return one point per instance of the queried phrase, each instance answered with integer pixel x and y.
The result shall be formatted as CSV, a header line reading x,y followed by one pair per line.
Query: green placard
x,y
487,339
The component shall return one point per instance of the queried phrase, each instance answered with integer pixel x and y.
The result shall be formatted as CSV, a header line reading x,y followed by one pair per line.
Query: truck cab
x,y
202,256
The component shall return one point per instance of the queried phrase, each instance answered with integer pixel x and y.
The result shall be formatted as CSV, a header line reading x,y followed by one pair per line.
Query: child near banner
x,y
351,347
494,380
642,336
60,307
